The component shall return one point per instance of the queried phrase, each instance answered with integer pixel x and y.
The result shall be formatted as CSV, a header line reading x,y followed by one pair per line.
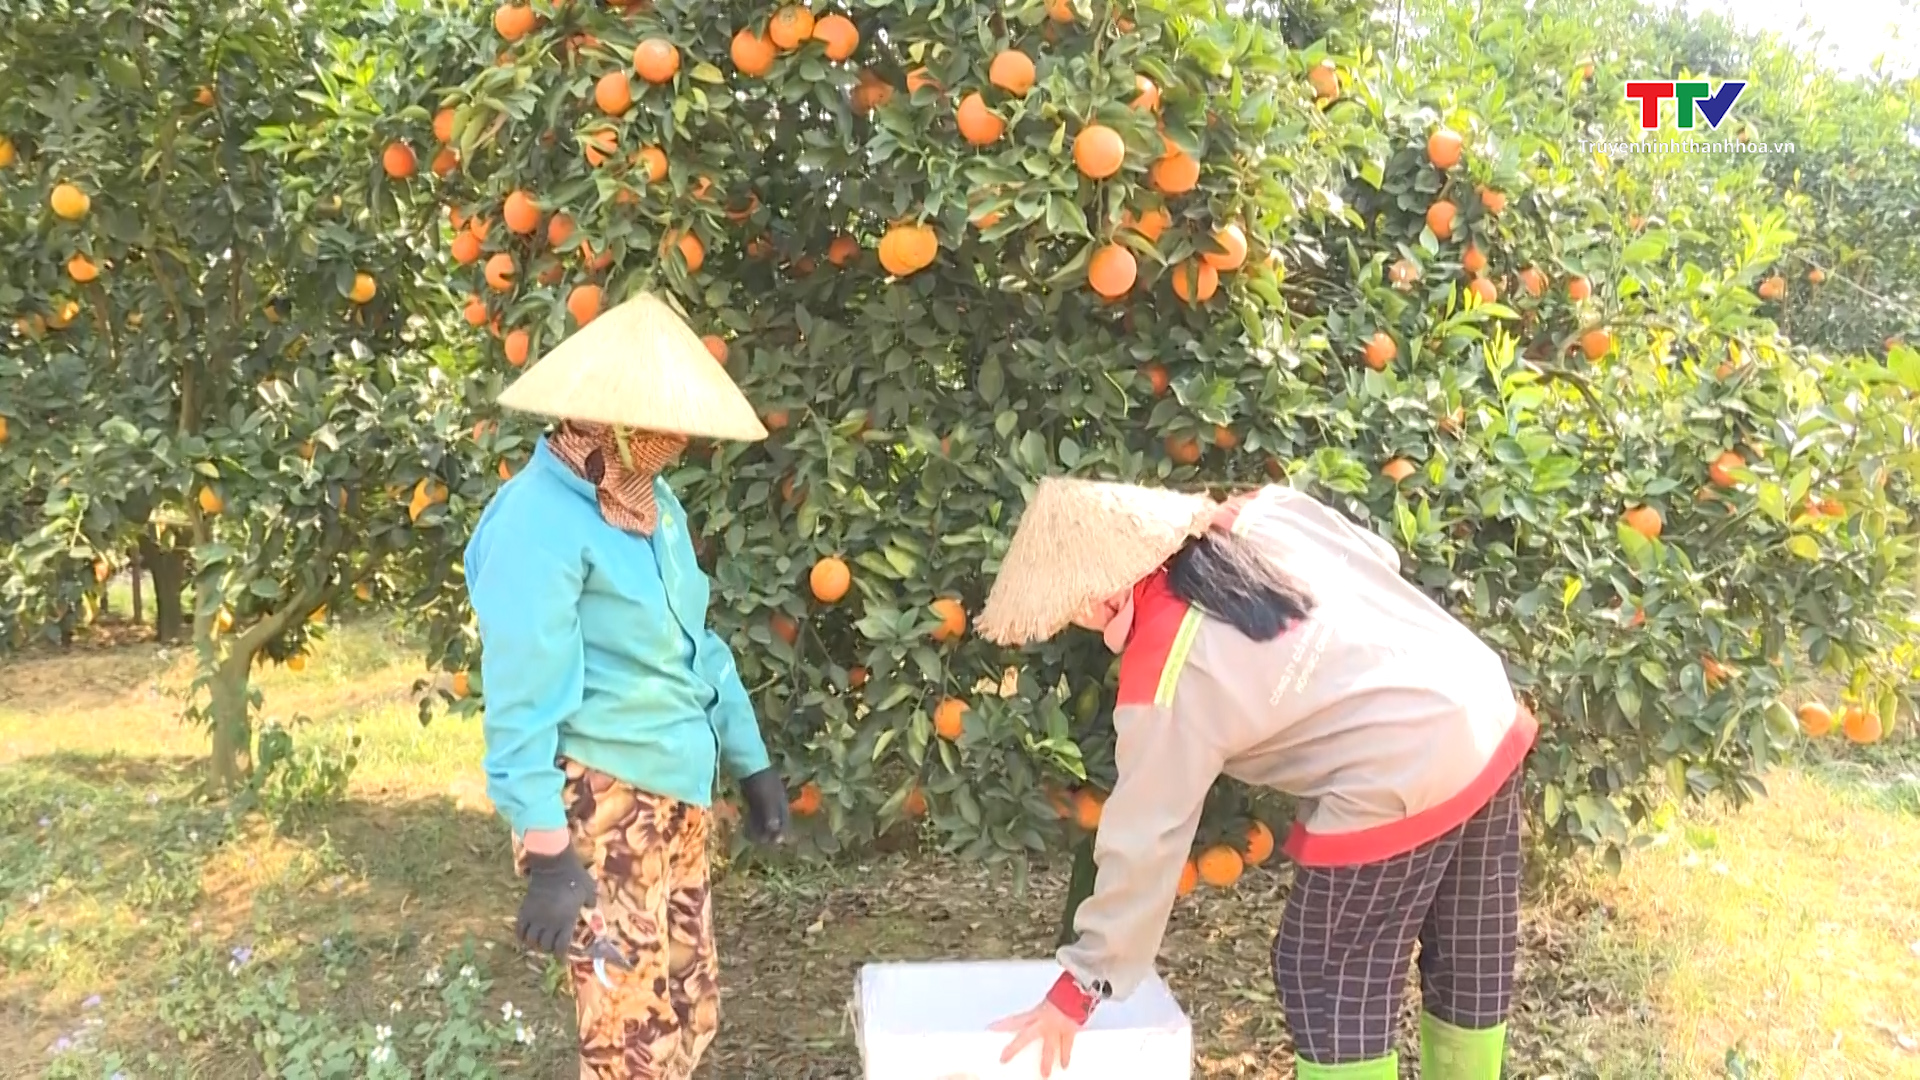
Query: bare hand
x,y
1046,1026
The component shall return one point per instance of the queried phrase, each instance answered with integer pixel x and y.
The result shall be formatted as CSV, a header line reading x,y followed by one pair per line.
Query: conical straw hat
x,y
642,366
1080,541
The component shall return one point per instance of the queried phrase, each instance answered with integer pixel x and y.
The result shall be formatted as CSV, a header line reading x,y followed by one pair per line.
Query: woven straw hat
x,y
639,365
1080,541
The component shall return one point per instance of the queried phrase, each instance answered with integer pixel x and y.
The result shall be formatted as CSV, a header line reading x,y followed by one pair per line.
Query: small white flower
x,y
394,1008
193,836
523,1035
508,1013
466,971
382,1033
433,976
381,1054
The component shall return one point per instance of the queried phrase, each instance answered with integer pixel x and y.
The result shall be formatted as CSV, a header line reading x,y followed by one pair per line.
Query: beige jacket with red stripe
x,y
1389,721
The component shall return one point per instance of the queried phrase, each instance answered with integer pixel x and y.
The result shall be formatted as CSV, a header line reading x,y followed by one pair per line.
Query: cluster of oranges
x,y
1858,723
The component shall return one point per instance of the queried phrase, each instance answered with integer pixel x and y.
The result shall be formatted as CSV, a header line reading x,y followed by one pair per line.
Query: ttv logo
x,y
1690,97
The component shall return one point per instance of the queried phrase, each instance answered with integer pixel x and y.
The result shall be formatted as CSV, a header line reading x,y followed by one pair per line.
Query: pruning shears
x,y
602,950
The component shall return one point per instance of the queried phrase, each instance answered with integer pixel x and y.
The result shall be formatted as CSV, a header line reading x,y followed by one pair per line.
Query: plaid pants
x,y
1340,959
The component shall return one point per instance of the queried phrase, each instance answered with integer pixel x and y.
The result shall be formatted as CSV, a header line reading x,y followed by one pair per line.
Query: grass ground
x,y
146,933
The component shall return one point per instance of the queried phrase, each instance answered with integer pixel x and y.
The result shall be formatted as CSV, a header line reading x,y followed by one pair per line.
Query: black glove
x,y
767,814
557,888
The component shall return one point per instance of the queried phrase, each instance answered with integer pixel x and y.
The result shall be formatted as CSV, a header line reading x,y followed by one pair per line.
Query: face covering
x,y
621,464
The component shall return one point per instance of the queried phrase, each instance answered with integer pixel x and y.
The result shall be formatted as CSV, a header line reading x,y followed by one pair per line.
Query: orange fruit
x,y
1189,878
445,161
1150,224
500,272
908,249
949,719
790,28
953,619
717,347
1098,151
363,288
1146,95
1474,261
1397,470
1112,271
1444,148
652,161
476,311
443,125
1195,282
550,272
210,501
513,21
1494,201
399,161
1579,288
560,229
1087,808
807,802
1259,843
1225,437
830,579
69,203
1183,449
517,344
691,249
1816,720
843,250
1157,378
1325,80
920,77
203,96
1596,343
1440,218
466,248
1060,11
838,35
752,54
521,213
915,804
784,627
979,125
1175,173
1220,866
1381,350
1403,272
1012,71
1232,241
583,303
856,677
871,93
613,94
82,269
1721,471
1644,520
1773,288
1486,290
1816,275
656,60
1534,282
776,420
1861,725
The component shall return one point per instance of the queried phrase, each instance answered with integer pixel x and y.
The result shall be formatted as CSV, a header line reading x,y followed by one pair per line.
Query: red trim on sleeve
x,y
1075,1003
1397,838
1157,615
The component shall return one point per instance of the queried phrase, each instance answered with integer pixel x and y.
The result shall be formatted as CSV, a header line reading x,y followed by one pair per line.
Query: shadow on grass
x,y
142,929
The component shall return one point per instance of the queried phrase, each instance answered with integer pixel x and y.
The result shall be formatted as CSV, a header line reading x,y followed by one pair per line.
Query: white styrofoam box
x,y
929,1021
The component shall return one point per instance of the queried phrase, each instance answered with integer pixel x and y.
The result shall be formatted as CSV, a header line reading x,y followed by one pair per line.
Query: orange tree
x,y
950,249
211,352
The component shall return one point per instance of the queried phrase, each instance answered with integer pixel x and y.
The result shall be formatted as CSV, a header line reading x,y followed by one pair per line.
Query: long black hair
x,y
1230,578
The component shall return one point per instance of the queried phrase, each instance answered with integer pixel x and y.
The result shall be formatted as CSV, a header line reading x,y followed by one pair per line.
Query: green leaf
x,y
707,73
1628,696
1773,502
1804,546
1551,802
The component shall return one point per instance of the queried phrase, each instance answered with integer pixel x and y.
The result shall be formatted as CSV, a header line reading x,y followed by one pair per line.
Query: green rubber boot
x,y
1453,1053
1381,1068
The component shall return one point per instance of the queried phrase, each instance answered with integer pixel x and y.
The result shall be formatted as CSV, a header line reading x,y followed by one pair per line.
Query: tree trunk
x,y
133,578
232,762
169,568
1078,889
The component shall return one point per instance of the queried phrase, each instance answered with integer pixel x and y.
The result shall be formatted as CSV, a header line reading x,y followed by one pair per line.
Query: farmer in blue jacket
x,y
609,704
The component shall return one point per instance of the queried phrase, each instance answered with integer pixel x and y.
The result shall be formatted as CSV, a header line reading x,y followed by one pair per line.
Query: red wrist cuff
x,y
1067,996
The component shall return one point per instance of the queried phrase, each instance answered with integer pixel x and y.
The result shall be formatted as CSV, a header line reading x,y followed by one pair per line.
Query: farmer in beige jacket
x,y
1271,640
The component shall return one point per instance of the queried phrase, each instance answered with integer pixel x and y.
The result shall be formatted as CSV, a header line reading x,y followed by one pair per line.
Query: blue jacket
x,y
597,648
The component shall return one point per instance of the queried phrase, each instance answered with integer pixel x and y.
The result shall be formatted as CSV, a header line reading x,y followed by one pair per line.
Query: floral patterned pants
x,y
648,857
